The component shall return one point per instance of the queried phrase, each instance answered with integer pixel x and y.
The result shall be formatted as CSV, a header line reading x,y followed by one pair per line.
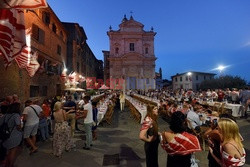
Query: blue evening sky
x,y
192,35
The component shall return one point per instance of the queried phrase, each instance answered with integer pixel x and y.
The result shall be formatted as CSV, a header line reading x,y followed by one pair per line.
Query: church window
x,y
132,47
116,50
146,50
54,28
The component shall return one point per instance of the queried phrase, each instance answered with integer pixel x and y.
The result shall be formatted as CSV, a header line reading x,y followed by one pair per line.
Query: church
x,y
131,56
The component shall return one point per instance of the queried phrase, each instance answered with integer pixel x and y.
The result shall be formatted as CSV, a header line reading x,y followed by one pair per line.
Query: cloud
x,y
247,44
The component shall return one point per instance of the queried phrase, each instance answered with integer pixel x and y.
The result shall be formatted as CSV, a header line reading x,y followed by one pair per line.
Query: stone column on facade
x,y
153,83
127,80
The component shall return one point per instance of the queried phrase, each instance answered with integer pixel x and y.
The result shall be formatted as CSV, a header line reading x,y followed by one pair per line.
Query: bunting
x,y
23,4
12,34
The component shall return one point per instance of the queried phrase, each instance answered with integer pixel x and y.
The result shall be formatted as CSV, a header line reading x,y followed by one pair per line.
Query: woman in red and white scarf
x,y
149,134
232,151
179,144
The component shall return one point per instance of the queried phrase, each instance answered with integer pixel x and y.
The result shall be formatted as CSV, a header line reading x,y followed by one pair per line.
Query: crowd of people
x,y
55,118
190,121
187,115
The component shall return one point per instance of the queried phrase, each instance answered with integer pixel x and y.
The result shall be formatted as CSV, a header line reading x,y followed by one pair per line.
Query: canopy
x,y
74,89
104,87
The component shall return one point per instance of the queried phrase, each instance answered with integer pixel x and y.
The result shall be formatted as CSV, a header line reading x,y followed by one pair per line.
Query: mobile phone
x,y
215,121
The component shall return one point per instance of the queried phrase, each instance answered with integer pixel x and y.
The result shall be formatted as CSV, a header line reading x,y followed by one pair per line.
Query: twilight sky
x,y
192,35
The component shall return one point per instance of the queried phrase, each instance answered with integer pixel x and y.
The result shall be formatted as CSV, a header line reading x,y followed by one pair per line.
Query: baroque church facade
x,y
131,56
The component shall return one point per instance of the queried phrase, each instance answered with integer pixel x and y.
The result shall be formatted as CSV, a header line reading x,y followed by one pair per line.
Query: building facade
x,y
190,80
80,58
49,40
131,55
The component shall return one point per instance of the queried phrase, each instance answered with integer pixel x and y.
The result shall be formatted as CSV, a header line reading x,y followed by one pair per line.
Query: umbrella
x,y
104,87
74,89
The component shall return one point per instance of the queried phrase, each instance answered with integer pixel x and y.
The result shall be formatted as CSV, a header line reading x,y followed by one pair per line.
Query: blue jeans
x,y
88,132
43,127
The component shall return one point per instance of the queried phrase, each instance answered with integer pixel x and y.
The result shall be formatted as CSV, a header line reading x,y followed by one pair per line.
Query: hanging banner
x,y
23,4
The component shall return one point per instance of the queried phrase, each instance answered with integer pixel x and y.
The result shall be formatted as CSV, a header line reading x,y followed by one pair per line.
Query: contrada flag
x,y
33,64
23,59
12,34
23,4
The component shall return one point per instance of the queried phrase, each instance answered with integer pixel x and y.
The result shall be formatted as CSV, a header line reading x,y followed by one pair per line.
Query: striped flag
x,y
23,59
33,64
12,34
12,27
23,4
27,58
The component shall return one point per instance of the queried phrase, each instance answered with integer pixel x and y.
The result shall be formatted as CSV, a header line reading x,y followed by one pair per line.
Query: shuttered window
x,y
38,34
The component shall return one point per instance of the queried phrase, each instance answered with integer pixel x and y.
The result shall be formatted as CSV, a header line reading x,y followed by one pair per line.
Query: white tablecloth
x,y
102,109
101,112
236,109
140,107
149,99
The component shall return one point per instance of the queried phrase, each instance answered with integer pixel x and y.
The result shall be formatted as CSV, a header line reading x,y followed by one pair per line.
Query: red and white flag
x,y
12,26
72,77
33,64
12,34
64,76
23,4
23,59
27,58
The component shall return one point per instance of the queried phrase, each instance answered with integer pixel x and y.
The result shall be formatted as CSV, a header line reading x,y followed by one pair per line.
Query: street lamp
x,y
221,68
189,78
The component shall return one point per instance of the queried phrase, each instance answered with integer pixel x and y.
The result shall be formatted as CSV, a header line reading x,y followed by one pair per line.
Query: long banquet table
x,y
140,107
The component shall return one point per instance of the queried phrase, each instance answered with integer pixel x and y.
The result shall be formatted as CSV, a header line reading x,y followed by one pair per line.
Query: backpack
x,y
5,130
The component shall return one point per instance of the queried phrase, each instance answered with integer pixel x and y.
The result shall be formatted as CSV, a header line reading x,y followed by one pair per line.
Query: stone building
x,y
131,55
190,80
49,40
75,47
80,57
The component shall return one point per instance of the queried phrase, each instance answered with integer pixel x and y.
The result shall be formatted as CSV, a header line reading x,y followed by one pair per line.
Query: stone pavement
x,y
119,138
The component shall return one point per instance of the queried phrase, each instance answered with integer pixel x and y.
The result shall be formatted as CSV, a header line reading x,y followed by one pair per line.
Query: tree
x,y
223,82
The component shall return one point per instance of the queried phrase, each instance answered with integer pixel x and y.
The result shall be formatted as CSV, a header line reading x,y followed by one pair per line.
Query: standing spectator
x,y
88,122
5,104
122,101
235,96
220,95
12,144
70,108
179,144
43,123
62,134
149,134
16,99
244,96
54,100
31,115
94,127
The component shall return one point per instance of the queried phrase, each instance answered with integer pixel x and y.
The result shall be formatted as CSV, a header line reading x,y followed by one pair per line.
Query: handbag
x,y
42,121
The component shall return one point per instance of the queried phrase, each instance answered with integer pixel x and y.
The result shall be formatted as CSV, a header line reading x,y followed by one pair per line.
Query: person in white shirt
x,y
31,115
88,121
122,101
194,120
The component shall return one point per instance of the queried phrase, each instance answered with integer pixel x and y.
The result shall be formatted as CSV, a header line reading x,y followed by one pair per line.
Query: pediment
x,y
133,56
131,23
